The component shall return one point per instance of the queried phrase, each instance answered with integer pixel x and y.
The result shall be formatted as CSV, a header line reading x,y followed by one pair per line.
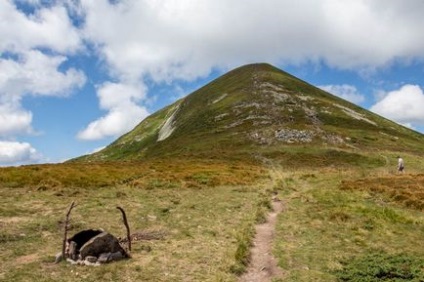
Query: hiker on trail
x,y
401,165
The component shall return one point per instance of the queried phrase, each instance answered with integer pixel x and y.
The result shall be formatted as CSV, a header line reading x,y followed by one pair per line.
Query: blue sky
x,y
77,74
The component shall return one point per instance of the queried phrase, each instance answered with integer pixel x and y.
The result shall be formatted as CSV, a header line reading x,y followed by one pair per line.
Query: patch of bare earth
x,y
263,266
26,259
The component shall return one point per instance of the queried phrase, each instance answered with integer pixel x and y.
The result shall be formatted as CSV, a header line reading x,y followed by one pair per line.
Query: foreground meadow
x,y
198,221
351,226
197,227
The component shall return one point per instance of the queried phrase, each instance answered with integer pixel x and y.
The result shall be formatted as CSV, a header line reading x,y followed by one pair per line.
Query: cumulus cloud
x,y
47,28
34,46
185,39
123,113
33,73
404,105
37,74
14,120
14,153
345,91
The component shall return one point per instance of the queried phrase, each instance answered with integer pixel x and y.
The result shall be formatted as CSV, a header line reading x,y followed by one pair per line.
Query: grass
x,y
331,234
337,220
378,266
204,229
164,173
203,207
407,190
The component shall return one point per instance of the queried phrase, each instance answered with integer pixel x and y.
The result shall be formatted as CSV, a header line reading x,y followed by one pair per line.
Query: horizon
x,y
71,83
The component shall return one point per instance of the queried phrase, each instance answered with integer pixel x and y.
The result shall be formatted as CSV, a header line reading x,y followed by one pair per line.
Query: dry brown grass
x,y
407,190
153,174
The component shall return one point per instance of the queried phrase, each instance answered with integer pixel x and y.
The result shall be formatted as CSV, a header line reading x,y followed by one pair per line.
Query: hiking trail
x,y
263,266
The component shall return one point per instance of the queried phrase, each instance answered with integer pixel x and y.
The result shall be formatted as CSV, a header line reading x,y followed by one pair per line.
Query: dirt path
x,y
263,266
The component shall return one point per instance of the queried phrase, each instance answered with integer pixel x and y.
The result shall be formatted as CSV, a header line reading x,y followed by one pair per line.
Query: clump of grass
x,y
380,266
242,254
262,207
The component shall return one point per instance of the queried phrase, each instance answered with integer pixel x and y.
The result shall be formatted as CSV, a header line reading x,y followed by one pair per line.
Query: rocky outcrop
x,y
294,135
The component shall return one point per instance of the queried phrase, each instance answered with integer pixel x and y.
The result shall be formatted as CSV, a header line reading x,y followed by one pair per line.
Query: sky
x,y
77,74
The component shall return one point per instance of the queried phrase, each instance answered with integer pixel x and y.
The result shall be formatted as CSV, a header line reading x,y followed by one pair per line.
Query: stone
x,y
91,259
72,250
58,257
108,257
101,243
103,258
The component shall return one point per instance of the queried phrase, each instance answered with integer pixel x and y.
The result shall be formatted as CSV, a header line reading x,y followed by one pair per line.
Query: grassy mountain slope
x,y
260,112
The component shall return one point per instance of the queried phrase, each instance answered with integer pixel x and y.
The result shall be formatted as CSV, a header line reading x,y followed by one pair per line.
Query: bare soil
x,y
27,259
263,266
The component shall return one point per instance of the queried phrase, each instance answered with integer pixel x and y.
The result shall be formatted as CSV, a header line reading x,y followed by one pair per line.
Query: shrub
x,y
380,266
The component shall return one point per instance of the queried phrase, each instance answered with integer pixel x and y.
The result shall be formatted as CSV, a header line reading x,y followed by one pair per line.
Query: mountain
x,y
258,112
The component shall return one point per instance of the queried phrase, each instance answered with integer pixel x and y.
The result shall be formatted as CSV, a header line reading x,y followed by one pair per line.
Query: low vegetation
x,y
331,233
336,226
407,190
380,266
167,173
203,209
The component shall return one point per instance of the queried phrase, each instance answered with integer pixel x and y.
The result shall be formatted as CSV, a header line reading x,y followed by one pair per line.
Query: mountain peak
x,y
259,111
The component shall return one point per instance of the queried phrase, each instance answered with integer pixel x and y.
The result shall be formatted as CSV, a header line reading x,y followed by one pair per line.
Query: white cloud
x,y
14,153
33,73
33,47
25,69
404,105
185,39
37,74
14,120
120,100
345,91
47,28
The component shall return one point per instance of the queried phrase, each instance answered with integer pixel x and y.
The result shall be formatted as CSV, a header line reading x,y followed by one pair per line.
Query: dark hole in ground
x,y
83,237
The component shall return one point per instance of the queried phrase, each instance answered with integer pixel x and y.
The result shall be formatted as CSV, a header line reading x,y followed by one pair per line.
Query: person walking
x,y
401,165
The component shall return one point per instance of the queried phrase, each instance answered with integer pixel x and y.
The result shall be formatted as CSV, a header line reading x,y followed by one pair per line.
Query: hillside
x,y
258,112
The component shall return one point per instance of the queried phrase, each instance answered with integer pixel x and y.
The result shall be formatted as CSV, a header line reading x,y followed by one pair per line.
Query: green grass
x,y
327,233
336,220
204,229
377,266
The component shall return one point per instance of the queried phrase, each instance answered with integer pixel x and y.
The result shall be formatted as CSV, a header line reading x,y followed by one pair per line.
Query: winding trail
x,y
263,266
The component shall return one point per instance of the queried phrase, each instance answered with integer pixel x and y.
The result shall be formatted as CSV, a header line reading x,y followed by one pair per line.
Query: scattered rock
x,y
294,135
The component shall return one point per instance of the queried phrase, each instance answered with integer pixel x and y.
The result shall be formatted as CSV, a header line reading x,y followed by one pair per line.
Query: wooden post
x,y
65,232
126,226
